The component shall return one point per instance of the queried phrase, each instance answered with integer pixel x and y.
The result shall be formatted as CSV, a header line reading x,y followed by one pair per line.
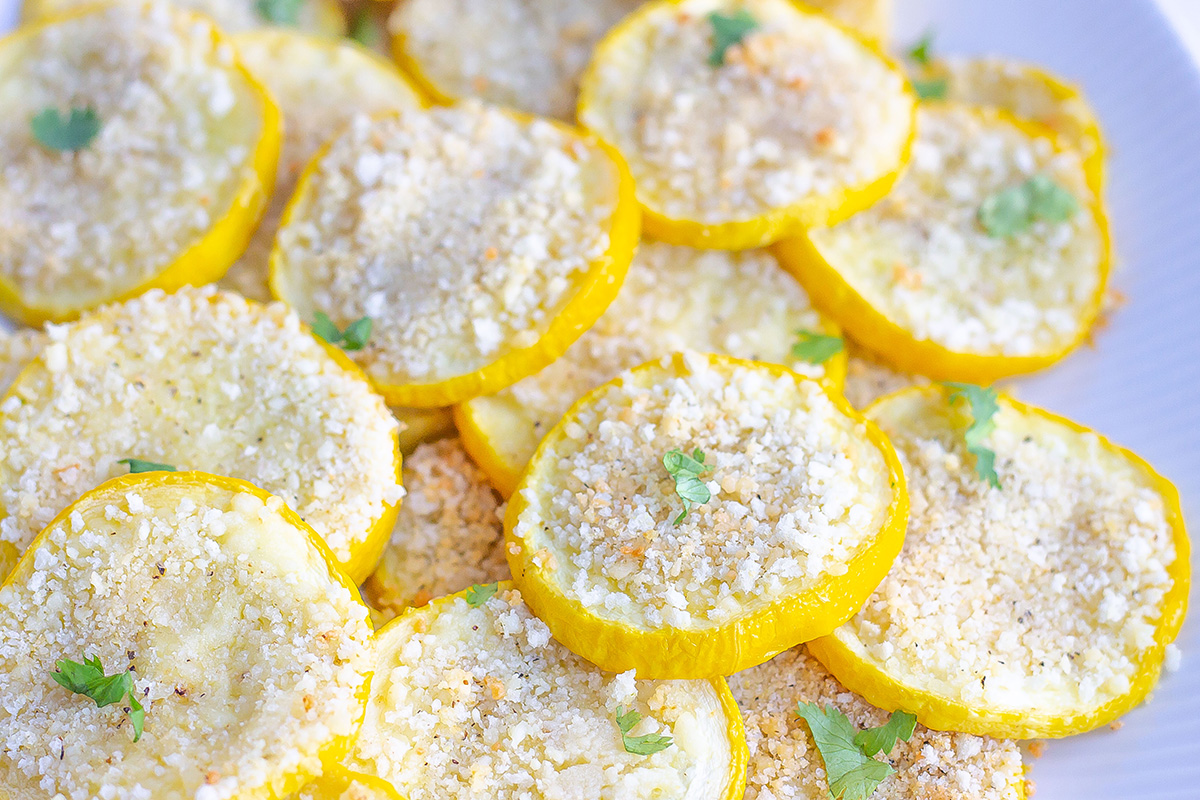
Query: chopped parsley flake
x,y
920,52
931,88
816,348
364,29
353,338
646,745
728,30
983,411
88,679
73,132
851,771
686,470
279,12
1012,210
137,465
480,593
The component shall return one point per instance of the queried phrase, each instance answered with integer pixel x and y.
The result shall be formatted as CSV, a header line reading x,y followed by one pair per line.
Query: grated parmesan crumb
x,y
799,111
516,53
785,764
922,259
481,702
461,232
199,380
248,655
797,491
449,533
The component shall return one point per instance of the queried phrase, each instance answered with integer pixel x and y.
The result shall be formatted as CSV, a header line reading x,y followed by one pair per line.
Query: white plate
x,y
1141,385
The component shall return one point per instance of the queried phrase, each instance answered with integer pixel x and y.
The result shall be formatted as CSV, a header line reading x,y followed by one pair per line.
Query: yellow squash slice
x,y
872,18
805,513
785,763
341,784
1028,92
202,380
524,54
481,244
323,17
175,147
800,123
16,350
319,85
674,298
472,698
418,425
1039,609
250,653
920,280
449,533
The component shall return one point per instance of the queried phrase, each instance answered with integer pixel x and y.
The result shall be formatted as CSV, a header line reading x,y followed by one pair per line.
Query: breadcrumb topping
x,y
1043,594
247,653
797,491
516,53
295,69
785,764
179,125
481,702
199,380
461,232
448,536
673,298
921,257
16,350
799,110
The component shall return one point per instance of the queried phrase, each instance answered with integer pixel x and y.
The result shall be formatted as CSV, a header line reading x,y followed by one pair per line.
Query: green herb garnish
x,y
931,88
480,593
137,465
920,52
646,745
728,30
816,348
1011,211
364,29
88,679
850,770
279,12
353,338
983,411
73,132
686,470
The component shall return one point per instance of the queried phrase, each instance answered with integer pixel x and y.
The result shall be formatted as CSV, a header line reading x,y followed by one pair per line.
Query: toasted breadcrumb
x,y
785,764
448,536
248,654
436,728
199,380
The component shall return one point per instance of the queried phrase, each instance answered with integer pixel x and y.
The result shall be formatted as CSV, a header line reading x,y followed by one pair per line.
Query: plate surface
x,y
1140,385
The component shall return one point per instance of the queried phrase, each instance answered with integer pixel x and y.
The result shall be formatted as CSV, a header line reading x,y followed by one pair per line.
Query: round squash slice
x,y
988,259
1038,609
449,533
419,425
322,17
674,298
1027,92
201,380
341,784
297,69
480,244
17,349
872,18
745,120
524,54
785,762
137,151
472,698
238,654
699,514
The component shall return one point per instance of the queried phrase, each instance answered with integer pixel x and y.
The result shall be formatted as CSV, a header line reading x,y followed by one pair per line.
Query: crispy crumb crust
x,y
206,258
741,230
758,629
741,304
340,783
591,295
846,657
322,17
901,347
518,636
338,736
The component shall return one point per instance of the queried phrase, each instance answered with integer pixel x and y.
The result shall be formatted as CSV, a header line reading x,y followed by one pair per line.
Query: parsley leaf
x,y
74,132
646,745
88,679
364,29
921,50
137,465
1012,210
983,410
480,593
900,725
279,12
728,30
686,470
353,338
816,348
931,88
